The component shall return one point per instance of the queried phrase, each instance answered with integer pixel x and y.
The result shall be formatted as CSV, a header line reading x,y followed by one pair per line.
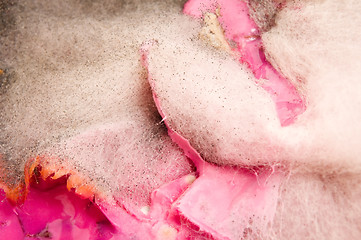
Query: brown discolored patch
x,y
264,12
7,15
213,33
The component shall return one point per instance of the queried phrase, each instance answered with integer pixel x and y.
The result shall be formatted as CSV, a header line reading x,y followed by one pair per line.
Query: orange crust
x,y
46,168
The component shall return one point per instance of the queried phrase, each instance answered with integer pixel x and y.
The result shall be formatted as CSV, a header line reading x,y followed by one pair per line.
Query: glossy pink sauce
x,y
52,212
9,221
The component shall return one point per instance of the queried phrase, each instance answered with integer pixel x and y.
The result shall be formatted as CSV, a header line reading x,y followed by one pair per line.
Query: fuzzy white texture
x,y
74,68
125,160
215,103
317,45
75,71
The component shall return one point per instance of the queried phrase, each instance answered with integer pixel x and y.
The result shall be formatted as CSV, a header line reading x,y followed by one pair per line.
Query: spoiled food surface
x,y
73,87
